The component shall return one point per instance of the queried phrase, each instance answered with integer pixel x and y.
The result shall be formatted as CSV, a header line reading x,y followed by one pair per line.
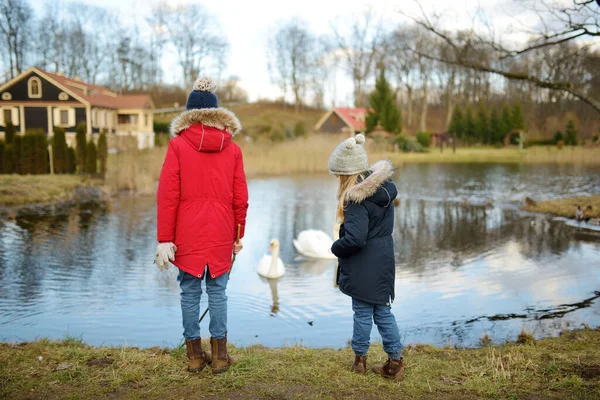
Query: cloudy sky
x,y
247,24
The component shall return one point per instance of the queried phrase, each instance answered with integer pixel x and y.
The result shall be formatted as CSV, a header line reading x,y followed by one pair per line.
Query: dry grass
x,y
136,171
556,368
19,189
567,207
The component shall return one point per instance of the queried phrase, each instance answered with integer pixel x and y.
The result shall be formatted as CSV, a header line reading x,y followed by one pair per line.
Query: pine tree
x,y
505,122
41,154
102,152
91,158
17,154
383,111
2,148
482,127
7,162
9,133
571,134
457,124
495,130
81,147
71,161
28,154
558,136
517,118
59,151
470,134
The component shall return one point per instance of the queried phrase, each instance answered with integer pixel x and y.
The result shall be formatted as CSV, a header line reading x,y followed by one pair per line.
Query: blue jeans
x,y
191,292
364,314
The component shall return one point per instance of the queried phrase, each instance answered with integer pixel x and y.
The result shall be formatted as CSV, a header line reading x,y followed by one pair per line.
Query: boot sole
x,y
220,370
194,370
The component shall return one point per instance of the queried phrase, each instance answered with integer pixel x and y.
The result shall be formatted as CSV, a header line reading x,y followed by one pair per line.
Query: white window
x,y
9,114
34,87
64,117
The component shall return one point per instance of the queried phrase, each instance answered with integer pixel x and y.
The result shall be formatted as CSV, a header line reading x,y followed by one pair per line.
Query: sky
x,y
247,25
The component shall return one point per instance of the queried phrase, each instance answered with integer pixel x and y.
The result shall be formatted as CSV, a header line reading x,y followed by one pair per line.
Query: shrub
x,y
81,146
299,129
2,148
59,151
161,139
558,136
424,139
498,145
289,134
27,155
570,134
9,132
71,161
560,144
540,142
161,127
277,135
411,146
34,153
91,158
7,160
102,152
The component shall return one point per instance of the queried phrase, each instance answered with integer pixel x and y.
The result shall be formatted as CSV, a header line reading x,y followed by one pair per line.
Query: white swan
x,y
316,244
271,266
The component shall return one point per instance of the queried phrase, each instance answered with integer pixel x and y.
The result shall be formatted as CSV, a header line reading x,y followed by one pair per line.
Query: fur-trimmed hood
x,y
375,185
219,118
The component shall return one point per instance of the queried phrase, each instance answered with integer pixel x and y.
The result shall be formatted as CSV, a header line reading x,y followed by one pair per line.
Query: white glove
x,y
165,252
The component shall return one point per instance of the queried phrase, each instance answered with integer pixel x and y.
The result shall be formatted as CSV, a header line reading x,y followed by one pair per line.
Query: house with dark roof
x,y
343,120
40,100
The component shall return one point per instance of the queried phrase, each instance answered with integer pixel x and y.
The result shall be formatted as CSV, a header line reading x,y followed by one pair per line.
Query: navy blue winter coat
x,y
365,249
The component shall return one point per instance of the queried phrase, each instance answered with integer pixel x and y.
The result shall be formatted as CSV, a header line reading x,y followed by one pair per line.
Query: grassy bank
x,y
17,190
566,367
566,207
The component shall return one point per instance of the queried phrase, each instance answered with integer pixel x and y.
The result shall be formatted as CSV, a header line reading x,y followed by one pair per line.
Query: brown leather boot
x,y
392,369
221,360
198,359
360,365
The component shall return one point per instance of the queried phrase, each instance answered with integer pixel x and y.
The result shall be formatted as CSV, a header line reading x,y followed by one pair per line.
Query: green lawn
x,y
567,367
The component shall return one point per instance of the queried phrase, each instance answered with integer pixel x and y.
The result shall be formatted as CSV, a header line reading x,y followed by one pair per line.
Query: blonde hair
x,y
346,183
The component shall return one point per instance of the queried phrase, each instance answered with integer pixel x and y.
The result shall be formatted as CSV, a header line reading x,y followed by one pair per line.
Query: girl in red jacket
x,y
202,198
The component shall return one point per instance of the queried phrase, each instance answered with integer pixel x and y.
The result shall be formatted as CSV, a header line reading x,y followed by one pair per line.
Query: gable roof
x,y
353,117
90,94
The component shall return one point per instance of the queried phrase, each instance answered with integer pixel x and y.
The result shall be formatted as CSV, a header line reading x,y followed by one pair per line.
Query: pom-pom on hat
x,y
203,95
349,157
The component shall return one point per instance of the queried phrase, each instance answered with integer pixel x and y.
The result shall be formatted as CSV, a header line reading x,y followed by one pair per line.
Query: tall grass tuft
x,y
136,171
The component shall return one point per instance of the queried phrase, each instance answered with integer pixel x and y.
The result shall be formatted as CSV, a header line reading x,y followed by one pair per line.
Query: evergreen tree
x,y
383,107
482,127
71,161
470,129
571,134
81,146
495,132
517,118
457,123
28,154
17,154
2,149
505,122
7,160
59,151
558,136
91,158
102,152
9,133
41,154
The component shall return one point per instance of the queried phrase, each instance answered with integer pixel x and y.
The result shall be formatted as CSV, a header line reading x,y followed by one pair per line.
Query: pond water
x,y
462,269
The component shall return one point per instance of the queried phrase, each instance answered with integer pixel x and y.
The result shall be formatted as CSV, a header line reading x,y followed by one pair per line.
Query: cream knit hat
x,y
349,157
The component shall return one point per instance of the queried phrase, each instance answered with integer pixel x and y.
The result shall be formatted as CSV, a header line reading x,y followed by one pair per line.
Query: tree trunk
x,y
409,117
449,99
424,106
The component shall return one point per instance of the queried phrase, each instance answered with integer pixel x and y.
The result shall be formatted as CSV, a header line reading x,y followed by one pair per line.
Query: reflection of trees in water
x,y
432,232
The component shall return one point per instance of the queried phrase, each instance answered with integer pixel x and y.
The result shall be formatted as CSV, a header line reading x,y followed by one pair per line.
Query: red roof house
x,y
343,120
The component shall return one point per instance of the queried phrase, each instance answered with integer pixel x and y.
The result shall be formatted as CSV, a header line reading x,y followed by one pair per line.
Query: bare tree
x,y
290,59
16,17
560,25
230,91
193,32
360,50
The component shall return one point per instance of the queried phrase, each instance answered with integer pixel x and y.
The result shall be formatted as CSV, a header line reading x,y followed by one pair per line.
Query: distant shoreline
x,y
566,207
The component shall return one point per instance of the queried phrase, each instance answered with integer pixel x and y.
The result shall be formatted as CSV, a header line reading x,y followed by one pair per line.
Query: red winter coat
x,y
202,193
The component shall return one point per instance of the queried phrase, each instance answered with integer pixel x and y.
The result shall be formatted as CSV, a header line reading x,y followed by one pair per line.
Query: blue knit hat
x,y
203,95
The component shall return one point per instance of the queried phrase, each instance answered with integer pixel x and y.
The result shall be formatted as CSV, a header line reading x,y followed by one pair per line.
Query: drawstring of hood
x,y
222,140
202,139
